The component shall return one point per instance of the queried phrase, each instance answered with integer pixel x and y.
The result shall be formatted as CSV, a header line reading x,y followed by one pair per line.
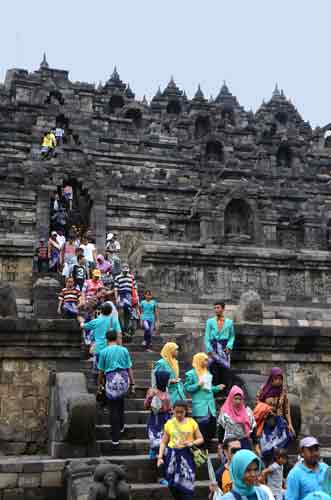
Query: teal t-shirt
x,y
100,326
148,310
114,357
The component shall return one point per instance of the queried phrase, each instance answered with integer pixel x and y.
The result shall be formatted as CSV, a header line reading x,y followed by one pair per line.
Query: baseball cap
x,y
125,267
109,236
308,442
96,273
53,233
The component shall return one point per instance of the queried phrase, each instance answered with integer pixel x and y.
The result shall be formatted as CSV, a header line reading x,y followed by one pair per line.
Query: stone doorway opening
x,y
70,208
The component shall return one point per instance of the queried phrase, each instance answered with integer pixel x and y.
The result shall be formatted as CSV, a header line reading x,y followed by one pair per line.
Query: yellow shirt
x,y
179,432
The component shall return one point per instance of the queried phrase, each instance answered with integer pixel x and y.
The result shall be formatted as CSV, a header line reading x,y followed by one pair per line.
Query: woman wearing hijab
x,y
158,401
169,363
272,431
198,383
274,394
236,421
244,470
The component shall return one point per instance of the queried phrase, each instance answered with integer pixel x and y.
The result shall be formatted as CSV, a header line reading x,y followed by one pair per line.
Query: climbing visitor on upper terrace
x,y
48,145
91,285
79,271
219,340
89,253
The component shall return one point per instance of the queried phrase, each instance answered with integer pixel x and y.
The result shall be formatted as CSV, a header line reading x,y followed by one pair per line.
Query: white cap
x,y
308,442
109,236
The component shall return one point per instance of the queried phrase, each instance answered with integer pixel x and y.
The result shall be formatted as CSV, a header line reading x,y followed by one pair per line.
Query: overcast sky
x,y
252,44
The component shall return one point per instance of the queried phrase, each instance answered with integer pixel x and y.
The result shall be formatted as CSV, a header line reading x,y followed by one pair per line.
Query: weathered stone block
x,y
29,480
51,479
13,494
9,480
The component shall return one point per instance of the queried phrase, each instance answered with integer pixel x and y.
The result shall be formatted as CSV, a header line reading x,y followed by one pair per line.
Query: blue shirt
x,y
148,310
100,326
114,357
212,333
301,481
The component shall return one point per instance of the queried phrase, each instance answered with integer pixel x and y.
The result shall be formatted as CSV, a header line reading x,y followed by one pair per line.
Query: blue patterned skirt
x,y
155,425
180,469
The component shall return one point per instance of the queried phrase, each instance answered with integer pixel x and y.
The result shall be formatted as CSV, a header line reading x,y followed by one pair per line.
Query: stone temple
x,y
208,200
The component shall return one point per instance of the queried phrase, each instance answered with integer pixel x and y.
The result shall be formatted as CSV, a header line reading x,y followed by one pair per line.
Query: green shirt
x,y
114,357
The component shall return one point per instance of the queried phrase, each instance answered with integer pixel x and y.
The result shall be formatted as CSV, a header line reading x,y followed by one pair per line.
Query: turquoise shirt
x,y
258,495
176,391
148,310
212,333
301,481
114,357
203,402
100,326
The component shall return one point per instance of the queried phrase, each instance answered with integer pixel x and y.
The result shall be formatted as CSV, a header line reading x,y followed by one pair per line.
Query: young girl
x,y
180,434
274,475
149,314
158,401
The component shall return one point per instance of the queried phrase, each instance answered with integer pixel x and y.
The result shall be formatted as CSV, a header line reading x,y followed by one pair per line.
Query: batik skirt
x,y
155,425
180,469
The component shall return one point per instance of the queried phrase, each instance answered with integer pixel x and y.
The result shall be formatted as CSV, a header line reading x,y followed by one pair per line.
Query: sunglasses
x,y
234,450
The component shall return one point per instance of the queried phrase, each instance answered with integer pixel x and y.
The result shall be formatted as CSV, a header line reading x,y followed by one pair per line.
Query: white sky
x,y
252,44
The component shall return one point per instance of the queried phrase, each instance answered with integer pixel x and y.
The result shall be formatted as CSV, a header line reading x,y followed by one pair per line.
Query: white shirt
x,y
88,251
61,239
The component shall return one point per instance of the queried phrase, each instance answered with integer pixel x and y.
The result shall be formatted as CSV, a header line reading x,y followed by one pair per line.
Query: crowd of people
x,y
252,443
102,293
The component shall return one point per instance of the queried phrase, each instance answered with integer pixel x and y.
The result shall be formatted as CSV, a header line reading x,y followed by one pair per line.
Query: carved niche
x,y
238,221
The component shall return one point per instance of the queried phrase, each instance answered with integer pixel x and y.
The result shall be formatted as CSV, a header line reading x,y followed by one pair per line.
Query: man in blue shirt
x,y
306,476
115,373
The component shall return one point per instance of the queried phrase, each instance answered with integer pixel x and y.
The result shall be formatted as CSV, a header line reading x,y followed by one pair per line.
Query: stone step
x,y
133,431
154,491
131,417
130,446
141,469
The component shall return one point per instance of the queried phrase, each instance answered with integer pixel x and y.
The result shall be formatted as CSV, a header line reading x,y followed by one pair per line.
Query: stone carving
x,y
72,416
45,301
251,307
109,483
7,301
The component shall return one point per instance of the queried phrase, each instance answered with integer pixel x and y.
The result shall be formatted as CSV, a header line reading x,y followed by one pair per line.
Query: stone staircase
x,y
134,446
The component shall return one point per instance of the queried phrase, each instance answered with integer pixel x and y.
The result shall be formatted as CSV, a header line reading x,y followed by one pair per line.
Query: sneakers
x,y
123,429
163,482
152,454
115,443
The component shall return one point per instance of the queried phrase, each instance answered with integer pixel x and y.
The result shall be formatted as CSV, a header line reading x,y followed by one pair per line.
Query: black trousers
x,y
179,495
208,431
116,408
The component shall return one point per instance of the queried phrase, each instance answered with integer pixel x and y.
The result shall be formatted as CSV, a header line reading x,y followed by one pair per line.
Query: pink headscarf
x,y
104,266
237,414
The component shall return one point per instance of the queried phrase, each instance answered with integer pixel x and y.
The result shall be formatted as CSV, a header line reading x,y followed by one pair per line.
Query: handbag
x,y
200,457
101,397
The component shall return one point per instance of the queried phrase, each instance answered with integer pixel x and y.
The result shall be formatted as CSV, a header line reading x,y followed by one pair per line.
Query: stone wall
x,y
29,352
203,273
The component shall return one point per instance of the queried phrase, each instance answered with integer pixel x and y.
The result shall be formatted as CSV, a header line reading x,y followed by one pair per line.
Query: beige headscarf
x,y
197,363
167,354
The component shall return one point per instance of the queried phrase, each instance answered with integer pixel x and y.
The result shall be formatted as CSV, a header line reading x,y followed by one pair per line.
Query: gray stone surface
x,y
72,415
250,307
7,301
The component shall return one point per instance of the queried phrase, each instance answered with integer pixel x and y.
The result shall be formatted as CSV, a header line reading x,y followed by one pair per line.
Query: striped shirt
x,y
124,283
70,295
